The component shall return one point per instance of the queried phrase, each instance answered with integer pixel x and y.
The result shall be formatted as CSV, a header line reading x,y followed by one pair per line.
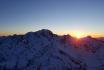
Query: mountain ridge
x,y
44,50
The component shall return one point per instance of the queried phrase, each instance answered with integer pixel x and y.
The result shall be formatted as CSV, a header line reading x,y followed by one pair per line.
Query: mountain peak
x,y
45,31
43,50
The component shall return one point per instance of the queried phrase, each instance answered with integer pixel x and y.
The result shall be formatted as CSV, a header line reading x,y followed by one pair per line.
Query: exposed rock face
x,y
43,50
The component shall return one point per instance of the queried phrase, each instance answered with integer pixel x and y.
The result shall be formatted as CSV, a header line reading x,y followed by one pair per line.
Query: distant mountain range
x,y
43,50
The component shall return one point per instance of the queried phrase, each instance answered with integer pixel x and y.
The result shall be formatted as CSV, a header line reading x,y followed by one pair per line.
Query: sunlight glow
x,y
78,34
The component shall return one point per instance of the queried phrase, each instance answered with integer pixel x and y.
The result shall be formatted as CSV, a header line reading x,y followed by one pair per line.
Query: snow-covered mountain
x,y
43,50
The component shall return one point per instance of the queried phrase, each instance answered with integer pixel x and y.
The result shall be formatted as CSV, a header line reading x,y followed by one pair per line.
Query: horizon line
x,y
95,35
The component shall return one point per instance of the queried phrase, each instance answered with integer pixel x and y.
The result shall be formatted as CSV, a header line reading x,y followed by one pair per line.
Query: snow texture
x,y
43,50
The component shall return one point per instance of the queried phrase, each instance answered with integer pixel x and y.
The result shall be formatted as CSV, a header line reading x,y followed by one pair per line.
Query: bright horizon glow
x,y
78,34
81,34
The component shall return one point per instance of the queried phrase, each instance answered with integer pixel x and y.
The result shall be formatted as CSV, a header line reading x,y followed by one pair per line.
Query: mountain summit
x,y
43,50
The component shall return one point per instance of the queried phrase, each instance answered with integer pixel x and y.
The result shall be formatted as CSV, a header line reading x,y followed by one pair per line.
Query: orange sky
x,y
82,34
75,34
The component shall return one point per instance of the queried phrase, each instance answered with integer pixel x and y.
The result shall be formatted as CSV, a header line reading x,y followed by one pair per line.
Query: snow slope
x,y
43,50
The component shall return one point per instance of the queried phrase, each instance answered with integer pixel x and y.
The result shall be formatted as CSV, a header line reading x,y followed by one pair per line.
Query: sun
x,y
78,34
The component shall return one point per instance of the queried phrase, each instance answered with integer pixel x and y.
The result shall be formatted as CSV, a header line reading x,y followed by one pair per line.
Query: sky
x,y
59,16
